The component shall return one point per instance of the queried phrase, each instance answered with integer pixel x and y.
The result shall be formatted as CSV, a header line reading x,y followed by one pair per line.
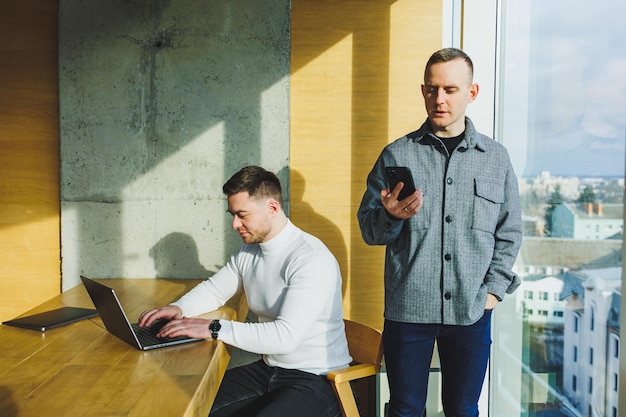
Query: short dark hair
x,y
256,181
450,54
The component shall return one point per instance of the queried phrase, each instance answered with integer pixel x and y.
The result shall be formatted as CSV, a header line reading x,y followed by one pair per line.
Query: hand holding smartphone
x,y
400,174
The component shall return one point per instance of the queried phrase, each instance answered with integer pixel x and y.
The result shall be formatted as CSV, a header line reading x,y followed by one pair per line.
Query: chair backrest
x,y
364,343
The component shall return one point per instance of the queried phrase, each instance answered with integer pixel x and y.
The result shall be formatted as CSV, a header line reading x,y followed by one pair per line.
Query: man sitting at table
x,y
293,284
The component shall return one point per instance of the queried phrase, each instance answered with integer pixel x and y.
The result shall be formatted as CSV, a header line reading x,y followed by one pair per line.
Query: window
x,y
616,348
590,356
543,295
547,73
575,354
528,295
615,382
592,319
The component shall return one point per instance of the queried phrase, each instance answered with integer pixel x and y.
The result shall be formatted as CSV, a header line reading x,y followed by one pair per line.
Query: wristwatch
x,y
214,327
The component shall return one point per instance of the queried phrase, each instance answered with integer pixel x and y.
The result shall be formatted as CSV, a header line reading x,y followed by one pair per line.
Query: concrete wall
x,y
160,103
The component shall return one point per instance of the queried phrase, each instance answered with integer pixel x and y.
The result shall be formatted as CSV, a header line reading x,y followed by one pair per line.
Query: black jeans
x,y
263,391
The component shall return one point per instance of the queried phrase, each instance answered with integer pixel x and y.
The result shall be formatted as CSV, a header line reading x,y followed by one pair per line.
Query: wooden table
x,y
82,370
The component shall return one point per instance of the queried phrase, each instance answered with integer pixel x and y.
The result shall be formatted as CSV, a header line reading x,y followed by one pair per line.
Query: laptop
x,y
117,323
52,318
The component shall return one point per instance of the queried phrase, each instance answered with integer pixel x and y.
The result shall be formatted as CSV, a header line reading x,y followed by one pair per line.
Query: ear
x,y
273,207
473,92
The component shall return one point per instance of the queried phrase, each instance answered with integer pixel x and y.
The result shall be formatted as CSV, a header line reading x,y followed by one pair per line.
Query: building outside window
x,y
560,109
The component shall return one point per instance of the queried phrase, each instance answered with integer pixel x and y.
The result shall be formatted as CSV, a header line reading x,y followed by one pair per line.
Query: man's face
x,y
447,90
251,217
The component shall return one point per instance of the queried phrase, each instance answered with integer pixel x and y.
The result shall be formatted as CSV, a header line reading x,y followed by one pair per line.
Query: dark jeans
x,y
463,354
260,390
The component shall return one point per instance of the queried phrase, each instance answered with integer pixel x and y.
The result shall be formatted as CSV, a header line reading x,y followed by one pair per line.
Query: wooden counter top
x,y
82,370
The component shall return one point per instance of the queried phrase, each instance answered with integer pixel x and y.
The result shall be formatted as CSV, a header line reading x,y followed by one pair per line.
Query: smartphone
x,y
398,174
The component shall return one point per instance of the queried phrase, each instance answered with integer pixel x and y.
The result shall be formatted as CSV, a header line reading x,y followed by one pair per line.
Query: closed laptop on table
x,y
53,318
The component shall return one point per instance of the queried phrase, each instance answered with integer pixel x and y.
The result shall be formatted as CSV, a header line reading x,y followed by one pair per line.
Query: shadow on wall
x,y
176,256
316,224
160,103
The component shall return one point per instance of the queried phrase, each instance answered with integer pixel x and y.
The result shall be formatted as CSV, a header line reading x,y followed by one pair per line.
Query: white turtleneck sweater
x,y
293,284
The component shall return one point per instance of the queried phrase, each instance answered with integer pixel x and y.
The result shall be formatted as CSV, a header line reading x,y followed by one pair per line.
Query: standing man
x,y
293,284
450,245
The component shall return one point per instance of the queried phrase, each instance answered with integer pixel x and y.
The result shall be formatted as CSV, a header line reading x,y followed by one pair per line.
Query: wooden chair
x,y
366,348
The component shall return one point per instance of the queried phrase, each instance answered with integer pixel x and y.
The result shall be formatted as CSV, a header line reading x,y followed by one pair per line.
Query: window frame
x,y
480,26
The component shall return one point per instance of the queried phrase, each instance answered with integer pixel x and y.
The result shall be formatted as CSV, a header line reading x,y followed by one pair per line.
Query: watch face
x,y
214,327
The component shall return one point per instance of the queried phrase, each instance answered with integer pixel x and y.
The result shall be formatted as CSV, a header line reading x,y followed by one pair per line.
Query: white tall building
x,y
591,340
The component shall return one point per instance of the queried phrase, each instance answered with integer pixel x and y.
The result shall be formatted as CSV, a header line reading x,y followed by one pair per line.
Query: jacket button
x,y
447,295
449,180
448,219
447,257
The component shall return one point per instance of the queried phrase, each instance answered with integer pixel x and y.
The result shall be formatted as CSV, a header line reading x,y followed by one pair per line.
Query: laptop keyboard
x,y
148,335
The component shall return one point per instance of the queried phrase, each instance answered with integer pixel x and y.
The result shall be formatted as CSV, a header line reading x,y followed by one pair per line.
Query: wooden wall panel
x,y
29,156
356,72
